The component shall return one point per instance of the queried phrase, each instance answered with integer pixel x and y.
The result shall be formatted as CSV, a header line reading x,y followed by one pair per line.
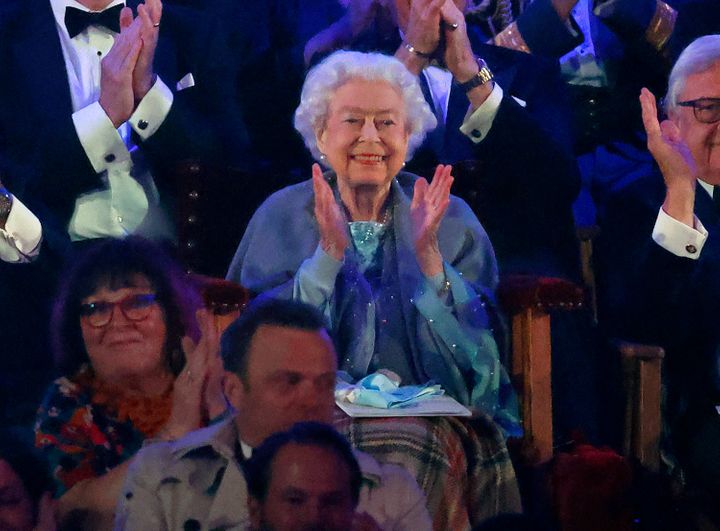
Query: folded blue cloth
x,y
377,390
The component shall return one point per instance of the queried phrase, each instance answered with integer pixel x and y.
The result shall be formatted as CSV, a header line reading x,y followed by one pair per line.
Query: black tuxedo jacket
x,y
649,294
36,111
522,179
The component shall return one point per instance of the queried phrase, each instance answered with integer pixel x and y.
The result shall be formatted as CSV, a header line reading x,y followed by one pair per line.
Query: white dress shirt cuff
x,y
152,110
477,124
20,240
678,238
102,143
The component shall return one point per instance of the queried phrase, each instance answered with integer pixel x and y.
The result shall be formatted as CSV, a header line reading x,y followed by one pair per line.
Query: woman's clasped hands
x,y
197,392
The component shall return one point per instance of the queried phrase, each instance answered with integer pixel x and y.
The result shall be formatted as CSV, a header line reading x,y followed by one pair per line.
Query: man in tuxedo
x,y
660,257
98,103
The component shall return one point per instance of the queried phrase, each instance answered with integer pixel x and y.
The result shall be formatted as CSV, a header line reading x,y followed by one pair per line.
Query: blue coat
x,y
452,345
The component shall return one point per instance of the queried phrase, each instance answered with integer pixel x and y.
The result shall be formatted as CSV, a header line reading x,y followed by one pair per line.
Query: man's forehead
x,y
276,347
704,84
299,461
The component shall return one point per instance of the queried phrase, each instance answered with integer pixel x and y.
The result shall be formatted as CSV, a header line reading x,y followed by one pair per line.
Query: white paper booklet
x,y
435,406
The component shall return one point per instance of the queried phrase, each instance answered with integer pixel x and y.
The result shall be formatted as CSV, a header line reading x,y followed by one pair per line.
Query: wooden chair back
x,y
224,298
528,300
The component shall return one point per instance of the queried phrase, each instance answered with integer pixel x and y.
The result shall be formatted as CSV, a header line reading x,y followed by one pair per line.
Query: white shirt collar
x,y
708,187
58,7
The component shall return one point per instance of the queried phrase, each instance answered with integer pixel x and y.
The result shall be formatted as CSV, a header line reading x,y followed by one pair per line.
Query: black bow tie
x,y
76,20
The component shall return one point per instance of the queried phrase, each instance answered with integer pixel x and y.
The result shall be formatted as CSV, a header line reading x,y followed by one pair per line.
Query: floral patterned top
x,y
85,427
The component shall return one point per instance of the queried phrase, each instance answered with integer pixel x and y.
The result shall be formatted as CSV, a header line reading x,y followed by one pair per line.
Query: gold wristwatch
x,y
483,76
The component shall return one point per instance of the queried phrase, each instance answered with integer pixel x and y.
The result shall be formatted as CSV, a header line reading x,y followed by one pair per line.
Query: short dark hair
x,y
28,463
236,339
258,468
115,263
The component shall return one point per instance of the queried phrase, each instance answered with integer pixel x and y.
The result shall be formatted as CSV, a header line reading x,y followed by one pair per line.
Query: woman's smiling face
x,y
365,137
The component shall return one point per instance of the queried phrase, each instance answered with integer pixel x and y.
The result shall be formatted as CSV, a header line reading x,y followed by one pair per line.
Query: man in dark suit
x,y
96,110
660,257
53,85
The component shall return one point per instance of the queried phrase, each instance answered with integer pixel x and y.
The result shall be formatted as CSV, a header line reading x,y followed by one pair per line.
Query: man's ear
x,y
235,389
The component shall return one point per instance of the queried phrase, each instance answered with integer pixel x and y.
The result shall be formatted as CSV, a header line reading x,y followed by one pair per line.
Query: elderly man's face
x,y
702,139
402,10
309,490
365,137
290,378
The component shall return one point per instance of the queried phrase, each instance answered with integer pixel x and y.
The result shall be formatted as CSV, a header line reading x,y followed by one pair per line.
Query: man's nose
x,y
311,515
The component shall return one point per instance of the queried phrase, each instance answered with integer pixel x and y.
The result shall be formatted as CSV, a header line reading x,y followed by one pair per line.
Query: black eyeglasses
x,y
134,307
706,110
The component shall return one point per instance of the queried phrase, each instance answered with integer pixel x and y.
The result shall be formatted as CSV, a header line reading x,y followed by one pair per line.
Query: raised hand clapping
x,y
428,207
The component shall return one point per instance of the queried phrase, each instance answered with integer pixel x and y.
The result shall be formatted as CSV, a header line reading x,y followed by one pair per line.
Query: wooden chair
x,y
225,299
641,374
642,383
527,301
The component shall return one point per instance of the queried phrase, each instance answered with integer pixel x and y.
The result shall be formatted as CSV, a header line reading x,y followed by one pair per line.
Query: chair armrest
x,y
642,383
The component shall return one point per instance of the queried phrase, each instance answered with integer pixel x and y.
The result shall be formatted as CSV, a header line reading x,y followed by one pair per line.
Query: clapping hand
x,y
126,72
674,159
197,392
423,25
332,224
116,71
149,15
428,207
458,55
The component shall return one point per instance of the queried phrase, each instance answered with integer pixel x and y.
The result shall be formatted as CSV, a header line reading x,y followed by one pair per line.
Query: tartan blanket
x,y
462,465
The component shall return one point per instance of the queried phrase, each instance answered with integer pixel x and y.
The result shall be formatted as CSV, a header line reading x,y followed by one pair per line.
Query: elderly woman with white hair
x,y
403,271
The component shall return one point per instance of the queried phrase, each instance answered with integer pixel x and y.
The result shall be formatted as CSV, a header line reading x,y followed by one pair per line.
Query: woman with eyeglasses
x,y
135,367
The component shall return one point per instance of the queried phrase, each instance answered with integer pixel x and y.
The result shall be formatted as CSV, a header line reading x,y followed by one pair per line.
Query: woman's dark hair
x,y
116,264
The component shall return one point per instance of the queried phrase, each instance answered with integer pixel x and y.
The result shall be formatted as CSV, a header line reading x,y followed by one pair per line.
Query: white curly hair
x,y
337,69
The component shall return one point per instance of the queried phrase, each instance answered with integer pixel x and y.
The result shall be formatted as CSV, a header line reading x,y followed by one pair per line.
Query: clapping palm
x,y
428,207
